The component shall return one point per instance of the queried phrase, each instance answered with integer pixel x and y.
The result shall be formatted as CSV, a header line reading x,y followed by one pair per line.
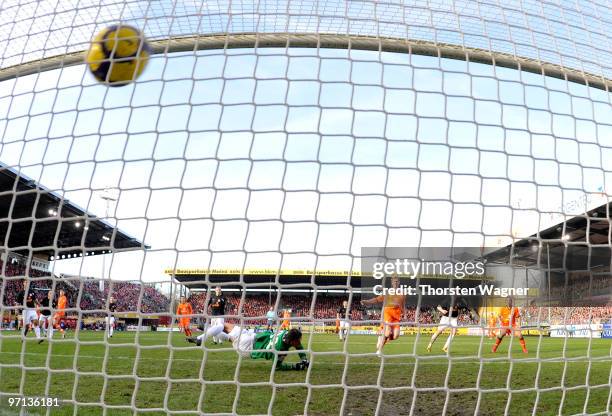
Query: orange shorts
x,y
392,316
285,325
184,322
59,315
492,326
509,329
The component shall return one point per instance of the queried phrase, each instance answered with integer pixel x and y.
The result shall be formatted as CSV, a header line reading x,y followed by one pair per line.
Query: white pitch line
x,y
422,362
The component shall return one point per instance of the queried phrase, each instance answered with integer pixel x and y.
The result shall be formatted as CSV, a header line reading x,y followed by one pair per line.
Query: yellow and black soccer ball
x,y
118,55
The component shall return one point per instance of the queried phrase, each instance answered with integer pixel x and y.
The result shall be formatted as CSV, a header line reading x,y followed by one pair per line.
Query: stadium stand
x,y
255,305
559,315
326,306
126,293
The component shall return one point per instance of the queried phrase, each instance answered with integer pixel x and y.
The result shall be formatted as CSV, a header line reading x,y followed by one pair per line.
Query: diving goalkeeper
x,y
260,345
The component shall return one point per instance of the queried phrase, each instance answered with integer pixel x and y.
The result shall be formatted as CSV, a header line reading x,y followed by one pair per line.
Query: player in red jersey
x,y
509,317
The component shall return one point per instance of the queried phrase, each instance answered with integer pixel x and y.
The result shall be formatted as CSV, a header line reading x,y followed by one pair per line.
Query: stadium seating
x,y
127,294
558,315
325,307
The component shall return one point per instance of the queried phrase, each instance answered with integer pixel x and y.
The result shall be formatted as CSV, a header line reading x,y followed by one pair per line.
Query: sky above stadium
x,y
312,155
573,34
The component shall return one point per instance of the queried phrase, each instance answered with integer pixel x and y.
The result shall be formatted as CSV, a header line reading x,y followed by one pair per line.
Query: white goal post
x,y
266,145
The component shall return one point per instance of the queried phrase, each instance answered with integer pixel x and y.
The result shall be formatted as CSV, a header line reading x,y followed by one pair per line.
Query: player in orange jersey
x,y
508,317
393,310
62,302
184,311
492,325
286,324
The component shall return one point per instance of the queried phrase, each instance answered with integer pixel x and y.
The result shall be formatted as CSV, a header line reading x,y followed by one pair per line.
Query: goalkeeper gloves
x,y
302,365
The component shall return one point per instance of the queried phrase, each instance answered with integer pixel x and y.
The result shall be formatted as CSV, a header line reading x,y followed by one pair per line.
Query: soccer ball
x,y
118,55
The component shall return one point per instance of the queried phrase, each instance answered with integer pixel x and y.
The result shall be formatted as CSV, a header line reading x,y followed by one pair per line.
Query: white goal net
x,y
277,149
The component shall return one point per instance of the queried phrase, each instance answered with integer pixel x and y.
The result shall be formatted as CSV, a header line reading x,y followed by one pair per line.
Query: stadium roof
x,y
199,279
29,210
580,243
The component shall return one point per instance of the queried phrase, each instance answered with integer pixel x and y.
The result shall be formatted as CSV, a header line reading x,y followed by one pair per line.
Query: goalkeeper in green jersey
x,y
262,345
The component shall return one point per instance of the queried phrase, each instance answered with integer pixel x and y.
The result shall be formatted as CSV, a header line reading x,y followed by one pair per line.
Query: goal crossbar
x,y
328,41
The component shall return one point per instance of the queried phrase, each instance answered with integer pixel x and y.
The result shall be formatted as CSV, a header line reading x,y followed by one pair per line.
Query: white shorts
x,y
345,324
42,319
29,315
110,320
242,340
446,321
217,321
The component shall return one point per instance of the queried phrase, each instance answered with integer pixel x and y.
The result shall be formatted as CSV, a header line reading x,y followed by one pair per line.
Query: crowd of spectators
x,y
572,315
39,287
129,296
324,308
580,286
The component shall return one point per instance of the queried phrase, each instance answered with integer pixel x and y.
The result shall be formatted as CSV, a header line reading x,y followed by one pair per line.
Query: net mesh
x,y
265,145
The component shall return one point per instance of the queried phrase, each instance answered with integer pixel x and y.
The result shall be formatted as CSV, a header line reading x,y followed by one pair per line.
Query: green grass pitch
x,y
563,371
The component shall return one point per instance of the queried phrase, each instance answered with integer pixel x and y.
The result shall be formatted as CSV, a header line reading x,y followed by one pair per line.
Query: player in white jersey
x,y
27,301
46,309
343,323
271,317
110,318
217,304
449,312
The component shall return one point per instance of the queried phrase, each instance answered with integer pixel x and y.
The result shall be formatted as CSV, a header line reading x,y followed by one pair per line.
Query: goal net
x,y
288,152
